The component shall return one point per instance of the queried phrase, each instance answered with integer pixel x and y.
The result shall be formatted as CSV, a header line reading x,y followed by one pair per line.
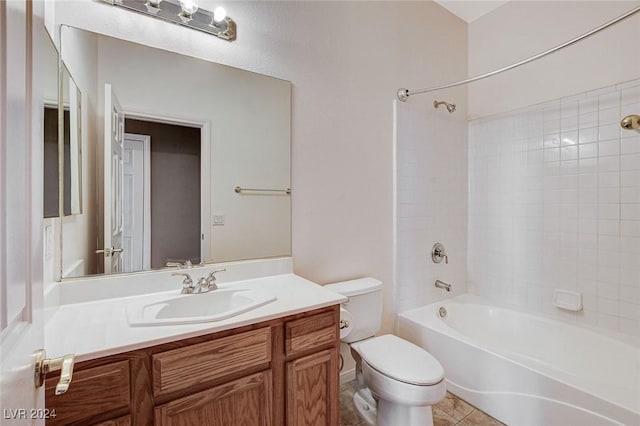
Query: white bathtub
x,y
525,369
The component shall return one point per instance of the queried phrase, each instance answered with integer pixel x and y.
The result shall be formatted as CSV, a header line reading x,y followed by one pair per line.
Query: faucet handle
x,y
187,283
212,275
438,253
186,265
211,279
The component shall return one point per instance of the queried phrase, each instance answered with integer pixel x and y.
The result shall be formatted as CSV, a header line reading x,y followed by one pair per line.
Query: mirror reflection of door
x,y
151,192
136,206
162,211
113,181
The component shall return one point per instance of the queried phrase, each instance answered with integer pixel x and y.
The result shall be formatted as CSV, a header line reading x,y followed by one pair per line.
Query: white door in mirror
x,y
113,180
216,305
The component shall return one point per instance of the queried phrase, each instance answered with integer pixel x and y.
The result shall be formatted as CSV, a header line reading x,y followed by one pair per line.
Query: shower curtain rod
x,y
403,94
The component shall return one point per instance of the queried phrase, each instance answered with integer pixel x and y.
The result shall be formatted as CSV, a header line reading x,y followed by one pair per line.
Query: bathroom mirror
x,y
50,128
184,160
61,120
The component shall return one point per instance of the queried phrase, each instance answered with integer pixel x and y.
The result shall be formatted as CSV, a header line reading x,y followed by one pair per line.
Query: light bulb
x,y
219,14
189,7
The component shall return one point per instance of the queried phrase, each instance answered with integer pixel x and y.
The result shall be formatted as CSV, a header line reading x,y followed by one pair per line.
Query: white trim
x,y
3,144
75,149
33,223
107,190
205,191
146,254
180,121
394,211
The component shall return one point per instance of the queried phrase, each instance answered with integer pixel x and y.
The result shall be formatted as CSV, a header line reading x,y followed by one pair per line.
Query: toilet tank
x,y
364,305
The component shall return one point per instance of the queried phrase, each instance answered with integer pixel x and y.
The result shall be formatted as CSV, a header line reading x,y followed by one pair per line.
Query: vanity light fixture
x,y
186,13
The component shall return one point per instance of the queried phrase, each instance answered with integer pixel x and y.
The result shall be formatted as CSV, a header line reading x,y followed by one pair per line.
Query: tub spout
x,y
443,285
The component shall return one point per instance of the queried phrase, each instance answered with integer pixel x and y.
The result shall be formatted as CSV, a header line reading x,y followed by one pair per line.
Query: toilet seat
x,y
401,360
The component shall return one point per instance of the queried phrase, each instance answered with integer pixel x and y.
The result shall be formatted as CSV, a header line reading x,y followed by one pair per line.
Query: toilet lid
x,y
401,360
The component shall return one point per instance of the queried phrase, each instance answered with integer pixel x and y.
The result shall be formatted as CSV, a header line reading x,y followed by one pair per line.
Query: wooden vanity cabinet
x,y
278,372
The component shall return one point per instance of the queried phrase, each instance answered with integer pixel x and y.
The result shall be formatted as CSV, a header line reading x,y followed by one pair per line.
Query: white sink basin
x,y
215,305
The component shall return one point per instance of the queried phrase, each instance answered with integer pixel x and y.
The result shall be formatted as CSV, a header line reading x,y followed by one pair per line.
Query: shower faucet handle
x,y
438,253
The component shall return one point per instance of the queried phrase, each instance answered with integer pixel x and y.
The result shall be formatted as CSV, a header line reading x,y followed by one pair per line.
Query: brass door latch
x,y
44,365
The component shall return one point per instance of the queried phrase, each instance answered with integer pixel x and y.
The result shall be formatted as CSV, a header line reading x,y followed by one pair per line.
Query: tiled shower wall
x,y
554,202
431,187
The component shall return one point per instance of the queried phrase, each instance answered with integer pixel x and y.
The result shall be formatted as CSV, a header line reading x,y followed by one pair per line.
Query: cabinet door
x,y
245,401
95,393
312,390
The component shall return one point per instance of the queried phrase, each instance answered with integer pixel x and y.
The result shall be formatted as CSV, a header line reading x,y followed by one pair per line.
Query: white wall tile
x,y
609,147
565,215
588,135
630,145
630,95
435,200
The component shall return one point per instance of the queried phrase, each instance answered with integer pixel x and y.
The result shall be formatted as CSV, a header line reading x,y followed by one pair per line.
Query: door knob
x,y
108,251
45,365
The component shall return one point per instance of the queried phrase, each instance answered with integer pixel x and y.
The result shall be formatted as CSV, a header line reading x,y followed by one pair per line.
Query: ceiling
x,y
470,10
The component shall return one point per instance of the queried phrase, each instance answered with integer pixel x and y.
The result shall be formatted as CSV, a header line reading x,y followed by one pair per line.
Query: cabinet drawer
x,y
92,391
120,421
311,332
203,362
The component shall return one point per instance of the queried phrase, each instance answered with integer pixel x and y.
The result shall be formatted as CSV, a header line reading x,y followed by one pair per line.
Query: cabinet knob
x,y
44,365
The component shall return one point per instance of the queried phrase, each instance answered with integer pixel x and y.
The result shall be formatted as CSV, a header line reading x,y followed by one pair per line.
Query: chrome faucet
x,y
443,285
187,264
204,285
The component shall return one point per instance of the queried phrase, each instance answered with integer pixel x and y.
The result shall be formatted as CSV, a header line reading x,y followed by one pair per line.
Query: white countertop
x,y
99,328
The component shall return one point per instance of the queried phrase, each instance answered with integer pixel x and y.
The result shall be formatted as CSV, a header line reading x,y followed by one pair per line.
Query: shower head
x,y
450,107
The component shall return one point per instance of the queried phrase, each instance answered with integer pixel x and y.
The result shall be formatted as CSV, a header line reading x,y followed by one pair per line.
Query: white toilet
x,y
400,381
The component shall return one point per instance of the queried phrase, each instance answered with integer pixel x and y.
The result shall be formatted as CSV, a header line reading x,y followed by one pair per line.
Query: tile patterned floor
x,y
448,412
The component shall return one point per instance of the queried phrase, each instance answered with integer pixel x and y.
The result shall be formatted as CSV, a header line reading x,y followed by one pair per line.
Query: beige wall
x,y
520,29
80,233
346,60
